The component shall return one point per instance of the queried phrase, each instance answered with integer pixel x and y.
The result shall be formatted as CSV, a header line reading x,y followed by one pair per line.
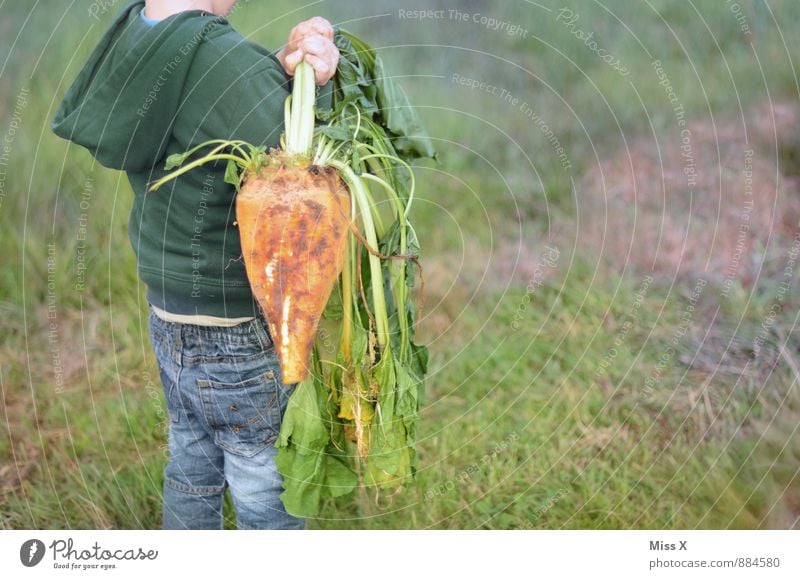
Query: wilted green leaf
x,y
232,173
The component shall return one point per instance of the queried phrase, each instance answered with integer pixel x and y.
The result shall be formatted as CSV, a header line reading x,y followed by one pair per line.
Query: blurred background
x,y
611,248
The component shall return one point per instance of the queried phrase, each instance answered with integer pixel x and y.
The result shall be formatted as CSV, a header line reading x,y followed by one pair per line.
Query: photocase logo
x,y
31,552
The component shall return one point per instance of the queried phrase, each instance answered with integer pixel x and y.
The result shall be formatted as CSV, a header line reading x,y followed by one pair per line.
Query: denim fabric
x,y
226,400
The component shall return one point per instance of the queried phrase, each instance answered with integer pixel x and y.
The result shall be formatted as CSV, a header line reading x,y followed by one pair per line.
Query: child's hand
x,y
312,41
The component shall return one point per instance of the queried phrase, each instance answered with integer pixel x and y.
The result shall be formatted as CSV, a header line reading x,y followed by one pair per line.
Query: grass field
x,y
612,288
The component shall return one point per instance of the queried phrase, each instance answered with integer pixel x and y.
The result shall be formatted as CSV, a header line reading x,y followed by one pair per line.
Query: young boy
x,y
166,76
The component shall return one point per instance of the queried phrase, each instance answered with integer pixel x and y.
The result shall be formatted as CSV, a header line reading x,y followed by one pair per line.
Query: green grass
x,y
549,425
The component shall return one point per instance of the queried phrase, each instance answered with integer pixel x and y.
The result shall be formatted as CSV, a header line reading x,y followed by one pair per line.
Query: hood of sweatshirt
x,y
123,104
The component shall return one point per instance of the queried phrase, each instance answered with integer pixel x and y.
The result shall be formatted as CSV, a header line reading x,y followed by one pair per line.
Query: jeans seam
x,y
203,359
183,487
249,450
262,334
175,391
178,358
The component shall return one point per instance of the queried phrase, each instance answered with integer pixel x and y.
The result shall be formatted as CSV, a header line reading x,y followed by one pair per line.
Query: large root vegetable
x,y
293,222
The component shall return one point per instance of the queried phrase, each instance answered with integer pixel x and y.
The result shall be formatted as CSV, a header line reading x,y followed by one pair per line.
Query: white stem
x,y
300,129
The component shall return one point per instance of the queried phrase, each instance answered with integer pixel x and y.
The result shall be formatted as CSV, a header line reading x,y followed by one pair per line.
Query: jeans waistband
x,y
243,332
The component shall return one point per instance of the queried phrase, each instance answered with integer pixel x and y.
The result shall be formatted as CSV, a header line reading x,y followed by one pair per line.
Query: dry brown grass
x,y
657,221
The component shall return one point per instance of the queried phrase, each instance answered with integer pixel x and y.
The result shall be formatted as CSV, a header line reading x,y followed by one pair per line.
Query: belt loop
x,y
262,330
178,338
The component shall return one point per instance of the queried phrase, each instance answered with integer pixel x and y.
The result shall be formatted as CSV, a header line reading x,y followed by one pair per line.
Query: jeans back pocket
x,y
246,415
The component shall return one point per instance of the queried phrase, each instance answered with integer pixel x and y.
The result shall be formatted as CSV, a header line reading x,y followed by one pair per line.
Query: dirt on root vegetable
x,y
293,222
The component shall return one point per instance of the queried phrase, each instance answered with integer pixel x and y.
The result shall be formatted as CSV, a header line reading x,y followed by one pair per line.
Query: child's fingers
x,y
316,45
320,53
291,61
315,25
321,48
323,55
322,70
322,26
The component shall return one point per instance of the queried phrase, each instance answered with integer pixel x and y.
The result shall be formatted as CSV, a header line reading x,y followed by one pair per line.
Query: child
x,y
166,76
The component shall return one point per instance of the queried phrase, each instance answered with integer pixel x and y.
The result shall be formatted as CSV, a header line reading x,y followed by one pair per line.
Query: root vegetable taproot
x,y
293,223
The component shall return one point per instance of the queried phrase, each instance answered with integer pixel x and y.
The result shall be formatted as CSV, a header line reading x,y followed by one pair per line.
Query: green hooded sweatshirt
x,y
147,92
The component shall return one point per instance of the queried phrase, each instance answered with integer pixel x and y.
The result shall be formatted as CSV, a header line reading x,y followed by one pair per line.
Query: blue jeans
x,y
226,400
